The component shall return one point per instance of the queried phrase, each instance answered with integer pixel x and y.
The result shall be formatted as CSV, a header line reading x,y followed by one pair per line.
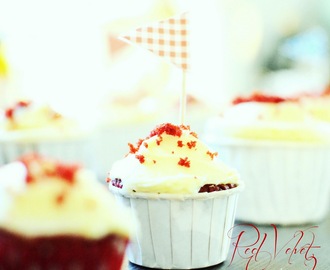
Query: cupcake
x,y
183,196
56,215
279,148
29,126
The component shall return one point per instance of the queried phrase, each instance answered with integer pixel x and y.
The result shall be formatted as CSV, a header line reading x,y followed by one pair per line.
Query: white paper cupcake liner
x,y
286,183
181,232
69,151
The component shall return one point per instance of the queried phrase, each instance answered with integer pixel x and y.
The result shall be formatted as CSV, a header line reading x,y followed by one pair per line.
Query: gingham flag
x,y
167,38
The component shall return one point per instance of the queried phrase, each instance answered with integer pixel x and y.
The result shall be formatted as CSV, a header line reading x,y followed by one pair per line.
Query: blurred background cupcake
x,y
81,69
56,215
279,148
28,126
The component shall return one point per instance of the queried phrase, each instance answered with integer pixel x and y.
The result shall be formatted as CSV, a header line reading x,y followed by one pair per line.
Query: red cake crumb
x,y
9,113
38,166
184,162
169,129
194,134
191,144
60,198
180,144
140,158
159,140
166,128
258,97
66,171
212,155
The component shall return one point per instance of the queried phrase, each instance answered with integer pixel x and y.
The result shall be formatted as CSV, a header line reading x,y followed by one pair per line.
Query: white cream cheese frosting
x,y
51,205
31,121
283,121
171,160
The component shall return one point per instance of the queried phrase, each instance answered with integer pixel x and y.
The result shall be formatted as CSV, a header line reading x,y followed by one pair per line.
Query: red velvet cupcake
x,y
58,216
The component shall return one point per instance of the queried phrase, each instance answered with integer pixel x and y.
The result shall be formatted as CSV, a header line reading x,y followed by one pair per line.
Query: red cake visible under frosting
x,y
60,252
56,194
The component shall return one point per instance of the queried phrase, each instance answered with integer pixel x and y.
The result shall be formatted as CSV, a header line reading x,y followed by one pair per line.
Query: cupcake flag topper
x,y
168,39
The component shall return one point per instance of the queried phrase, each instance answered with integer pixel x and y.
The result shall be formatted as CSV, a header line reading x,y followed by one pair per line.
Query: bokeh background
x,y
66,53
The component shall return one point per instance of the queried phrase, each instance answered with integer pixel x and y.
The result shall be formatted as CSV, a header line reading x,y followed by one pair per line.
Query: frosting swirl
x,y
170,160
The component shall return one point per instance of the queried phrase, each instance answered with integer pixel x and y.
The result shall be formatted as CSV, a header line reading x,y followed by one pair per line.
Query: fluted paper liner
x,y
181,232
286,183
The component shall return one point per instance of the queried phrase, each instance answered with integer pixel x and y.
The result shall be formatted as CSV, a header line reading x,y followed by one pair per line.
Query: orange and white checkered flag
x,y
167,38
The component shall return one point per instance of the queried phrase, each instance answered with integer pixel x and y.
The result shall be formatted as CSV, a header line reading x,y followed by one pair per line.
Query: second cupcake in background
x,y
183,196
30,126
281,151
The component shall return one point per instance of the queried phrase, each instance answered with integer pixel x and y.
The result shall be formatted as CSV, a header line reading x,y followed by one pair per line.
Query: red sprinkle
x,y
159,140
258,97
9,113
212,155
169,129
191,144
184,162
180,144
39,167
194,134
166,128
140,158
132,148
23,103
66,171
60,198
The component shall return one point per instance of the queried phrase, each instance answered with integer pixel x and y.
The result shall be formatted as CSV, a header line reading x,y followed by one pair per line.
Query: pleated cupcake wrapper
x,y
70,151
286,183
182,233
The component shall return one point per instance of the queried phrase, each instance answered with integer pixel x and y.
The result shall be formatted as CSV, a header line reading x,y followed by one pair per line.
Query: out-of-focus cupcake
x,y
183,196
31,126
56,215
283,154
